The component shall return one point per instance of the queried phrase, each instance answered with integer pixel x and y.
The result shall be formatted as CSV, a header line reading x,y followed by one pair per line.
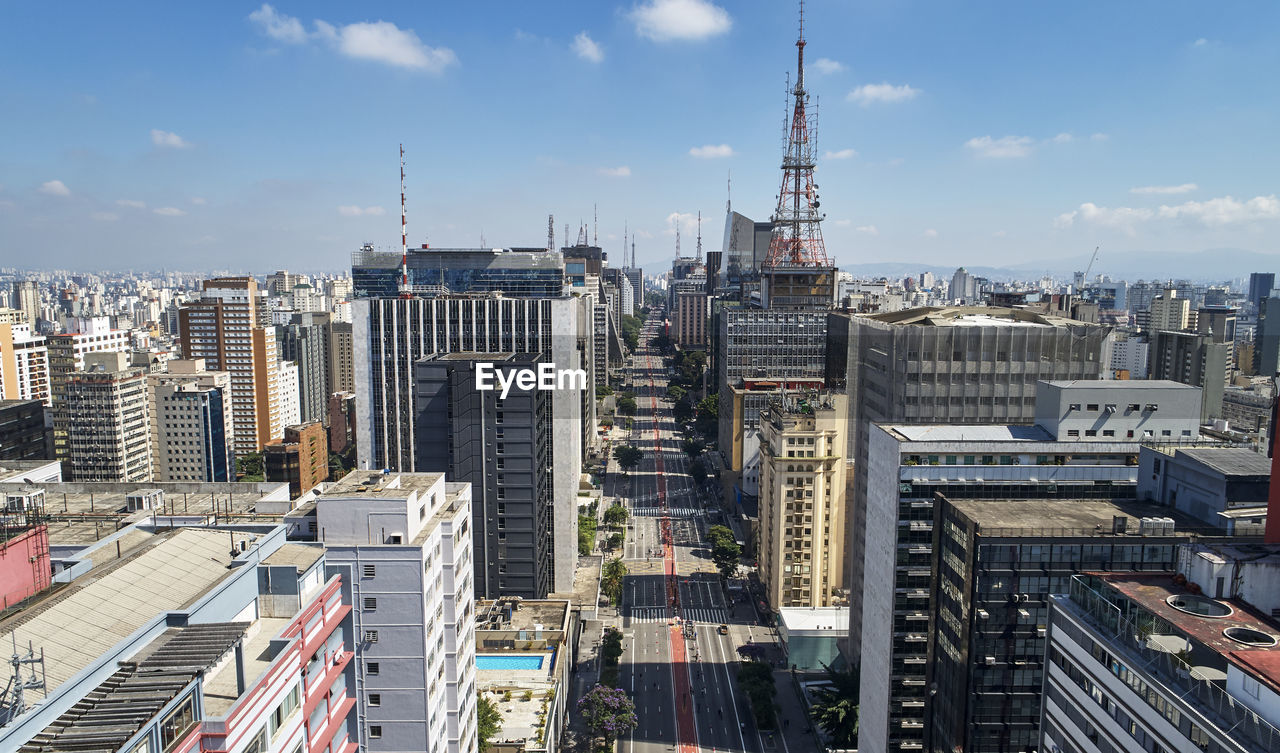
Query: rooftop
x,y
974,316
301,556
76,625
968,433
1230,461
1127,384
835,619
378,484
526,614
1067,517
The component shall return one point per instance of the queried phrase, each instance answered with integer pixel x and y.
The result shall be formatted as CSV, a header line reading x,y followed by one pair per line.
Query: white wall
x,y
879,563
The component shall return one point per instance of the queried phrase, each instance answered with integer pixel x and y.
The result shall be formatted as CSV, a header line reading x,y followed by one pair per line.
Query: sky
x,y
251,137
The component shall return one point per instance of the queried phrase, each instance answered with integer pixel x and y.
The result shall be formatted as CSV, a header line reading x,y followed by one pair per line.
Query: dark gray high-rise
x,y
1260,286
503,448
305,340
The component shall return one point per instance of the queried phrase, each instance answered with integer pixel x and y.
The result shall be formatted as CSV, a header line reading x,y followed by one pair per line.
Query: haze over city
x,y
153,135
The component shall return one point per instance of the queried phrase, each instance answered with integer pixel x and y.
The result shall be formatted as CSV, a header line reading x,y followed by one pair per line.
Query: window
x,y
1090,432
1108,433
393,539
1073,432
177,723
370,571
1092,407
372,668
375,699
371,636
375,731
1250,685
1073,406
259,742
370,603
285,709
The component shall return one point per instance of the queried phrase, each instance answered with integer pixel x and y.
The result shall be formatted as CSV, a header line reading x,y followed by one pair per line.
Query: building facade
x,y
24,365
1194,359
22,430
306,341
103,421
190,418
300,459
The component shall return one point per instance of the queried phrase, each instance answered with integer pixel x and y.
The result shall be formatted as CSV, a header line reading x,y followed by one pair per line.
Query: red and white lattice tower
x,y
405,291
797,232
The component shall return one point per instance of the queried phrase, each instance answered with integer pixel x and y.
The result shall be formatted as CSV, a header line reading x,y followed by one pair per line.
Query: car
x,y
723,630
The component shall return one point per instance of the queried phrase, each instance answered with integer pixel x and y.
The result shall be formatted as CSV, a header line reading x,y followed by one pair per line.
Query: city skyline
x,y
1035,132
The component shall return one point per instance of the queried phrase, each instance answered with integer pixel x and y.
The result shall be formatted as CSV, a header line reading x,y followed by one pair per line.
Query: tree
x,y
835,708
607,712
691,366
615,516
631,326
603,390
698,470
611,576
610,653
337,466
675,393
586,534
708,415
488,720
756,680
613,542
626,403
249,467
692,447
683,410
628,456
725,551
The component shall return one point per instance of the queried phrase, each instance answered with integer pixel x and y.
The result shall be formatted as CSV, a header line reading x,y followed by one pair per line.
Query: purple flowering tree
x,y
607,712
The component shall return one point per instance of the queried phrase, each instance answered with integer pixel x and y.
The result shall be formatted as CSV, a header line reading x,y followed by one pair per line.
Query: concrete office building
x,y
997,562
951,365
909,463
305,340
103,421
1139,661
1266,350
228,328
745,246
1193,359
393,334
770,345
190,416
26,298
403,542
1145,410
501,445
1168,312
67,350
801,534
342,421
690,312
1247,408
341,366
300,459
22,431
24,365
190,639
1260,286
1218,486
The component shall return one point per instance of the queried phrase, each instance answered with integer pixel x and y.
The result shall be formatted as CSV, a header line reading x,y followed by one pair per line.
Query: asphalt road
x,y
677,666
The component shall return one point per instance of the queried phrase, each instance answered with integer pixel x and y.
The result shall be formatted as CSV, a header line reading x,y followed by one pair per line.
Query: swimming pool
x,y
509,661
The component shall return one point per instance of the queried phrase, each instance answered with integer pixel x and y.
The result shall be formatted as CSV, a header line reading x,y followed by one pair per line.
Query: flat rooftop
x,y
378,484
835,619
1152,591
301,556
1230,461
974,316
76,625
1067,517
527,614
1126,384
968,433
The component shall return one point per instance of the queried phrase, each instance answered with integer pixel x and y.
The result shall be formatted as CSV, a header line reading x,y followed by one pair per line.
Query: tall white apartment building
x,y
103,421
190,410
1168,312
24,364
228,329
287,389
91,335
404,542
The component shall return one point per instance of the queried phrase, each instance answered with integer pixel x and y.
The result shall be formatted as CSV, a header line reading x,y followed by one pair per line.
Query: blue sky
x,y
237,136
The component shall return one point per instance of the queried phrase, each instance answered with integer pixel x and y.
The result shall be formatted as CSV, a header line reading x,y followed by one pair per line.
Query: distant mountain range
x,y
1209,265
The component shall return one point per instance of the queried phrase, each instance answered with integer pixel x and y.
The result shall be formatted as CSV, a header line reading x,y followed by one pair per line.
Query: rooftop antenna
x,y
551,232
404,236
699,235
633,253
677,235
595,224
566,233
624,243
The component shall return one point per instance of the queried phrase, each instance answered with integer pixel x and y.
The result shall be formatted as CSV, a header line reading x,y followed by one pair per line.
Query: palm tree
x,y
835,709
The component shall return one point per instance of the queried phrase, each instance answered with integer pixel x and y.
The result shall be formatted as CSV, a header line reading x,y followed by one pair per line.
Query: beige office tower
x,y
226,329
801,546
190,423
104,416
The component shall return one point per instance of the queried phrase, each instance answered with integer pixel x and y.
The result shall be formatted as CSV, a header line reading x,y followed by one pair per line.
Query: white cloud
x,y
377,41
1099,137
841,154
1002,148
279,27
169,211
684,20
712,151
1201,42
930,233
828,66
168,139
133,203
54,188
998,234
198,201
104,216
868,229
622,171
351,210
587,48
1184,188
842,223
869,94
1063,138
1225,210
1118,218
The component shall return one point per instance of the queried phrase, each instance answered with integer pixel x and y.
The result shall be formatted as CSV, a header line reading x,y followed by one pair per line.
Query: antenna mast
x,y
595,224
699,235
677,235
797,232
551,232
404,236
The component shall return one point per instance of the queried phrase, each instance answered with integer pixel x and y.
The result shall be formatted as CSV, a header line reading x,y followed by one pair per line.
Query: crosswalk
x,y
700,615
671,512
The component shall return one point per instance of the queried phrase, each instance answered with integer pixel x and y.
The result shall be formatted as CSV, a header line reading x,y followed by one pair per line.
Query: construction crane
x,y
1089,268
